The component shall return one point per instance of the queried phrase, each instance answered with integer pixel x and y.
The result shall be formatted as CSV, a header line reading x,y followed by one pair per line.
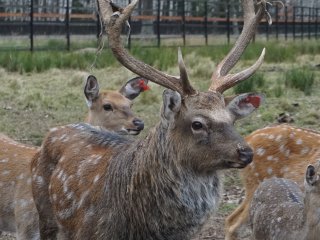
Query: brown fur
x,y
162,187
17,209
279,210
281,151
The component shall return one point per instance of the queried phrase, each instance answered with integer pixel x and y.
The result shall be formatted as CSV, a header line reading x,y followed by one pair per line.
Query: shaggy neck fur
x,y
149,195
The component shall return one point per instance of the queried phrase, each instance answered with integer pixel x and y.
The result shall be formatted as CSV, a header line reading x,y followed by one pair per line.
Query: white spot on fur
x,y
278,138
270,158
96,178
299,141
4,160
305,150
5,172
269,170
260,151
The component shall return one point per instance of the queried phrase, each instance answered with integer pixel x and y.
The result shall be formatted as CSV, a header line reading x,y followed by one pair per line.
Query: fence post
x,y
267,25
68,25
184,23
294,23
129,37
206,22
158,24
228,23
317,13
286,22
31,25
302,21
309,24
277,21
98,26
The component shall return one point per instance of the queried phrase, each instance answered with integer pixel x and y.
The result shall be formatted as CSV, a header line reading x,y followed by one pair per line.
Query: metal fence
x,y
190,22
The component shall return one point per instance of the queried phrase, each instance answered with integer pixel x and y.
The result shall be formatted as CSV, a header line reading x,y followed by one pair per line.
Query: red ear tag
x,y
254,100
143,86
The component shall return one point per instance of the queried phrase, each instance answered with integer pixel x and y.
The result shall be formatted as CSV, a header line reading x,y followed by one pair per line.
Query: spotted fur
x,y
282,151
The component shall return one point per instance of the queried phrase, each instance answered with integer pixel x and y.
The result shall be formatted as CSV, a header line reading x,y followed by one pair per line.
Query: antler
x,y
221,80
113,23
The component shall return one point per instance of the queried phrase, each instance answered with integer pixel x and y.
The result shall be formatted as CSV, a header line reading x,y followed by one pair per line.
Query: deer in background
x,y
280,211
165,186
107,109
281,151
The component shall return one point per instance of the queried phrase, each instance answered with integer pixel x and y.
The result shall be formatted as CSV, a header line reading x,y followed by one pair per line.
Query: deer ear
x,y
134,87
311,176
91,89
171,103
244,104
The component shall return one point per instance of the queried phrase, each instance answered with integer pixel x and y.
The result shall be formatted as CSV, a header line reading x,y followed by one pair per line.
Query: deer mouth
x,y
230,164
133,131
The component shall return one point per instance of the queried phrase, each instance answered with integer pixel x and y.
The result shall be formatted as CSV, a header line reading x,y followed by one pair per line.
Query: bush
x,y
301,79
251,84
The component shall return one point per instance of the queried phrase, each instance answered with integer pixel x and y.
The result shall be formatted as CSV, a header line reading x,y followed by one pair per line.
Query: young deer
x,y
279,210
165,186
108,109
280,151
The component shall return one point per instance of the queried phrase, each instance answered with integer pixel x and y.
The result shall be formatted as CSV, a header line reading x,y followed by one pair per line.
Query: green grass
x,y
162,58
300,78
254,83
44,89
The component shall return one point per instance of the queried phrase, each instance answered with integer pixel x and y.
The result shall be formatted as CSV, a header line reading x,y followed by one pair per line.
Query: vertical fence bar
x,y
183,23
267,26
31,25
316,30
309,24
98,26
228,23
302,21
158,24
129,37
286,22
294,23
277,21
206,22
68,26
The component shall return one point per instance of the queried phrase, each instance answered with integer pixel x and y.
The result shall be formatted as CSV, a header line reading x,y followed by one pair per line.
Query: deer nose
x,y
139,124
245,155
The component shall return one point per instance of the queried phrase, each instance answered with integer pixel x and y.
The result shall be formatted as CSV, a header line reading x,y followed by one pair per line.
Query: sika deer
x,y
108,109
281,151
280,211
164,186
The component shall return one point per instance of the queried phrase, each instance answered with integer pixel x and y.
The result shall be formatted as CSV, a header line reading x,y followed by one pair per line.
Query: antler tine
x,y
187,88
114,23
221,80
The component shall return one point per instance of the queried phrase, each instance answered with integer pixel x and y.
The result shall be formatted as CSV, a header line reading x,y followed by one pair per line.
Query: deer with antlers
x,y
282,151
280,210
164,186
107,109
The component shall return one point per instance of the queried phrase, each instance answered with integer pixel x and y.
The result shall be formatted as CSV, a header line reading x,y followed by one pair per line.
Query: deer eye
x,y
107,107
196,125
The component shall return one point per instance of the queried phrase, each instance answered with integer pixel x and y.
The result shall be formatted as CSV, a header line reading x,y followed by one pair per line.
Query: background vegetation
x,y
43,89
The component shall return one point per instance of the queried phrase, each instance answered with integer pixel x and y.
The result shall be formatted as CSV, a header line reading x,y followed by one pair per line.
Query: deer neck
x,y
158,192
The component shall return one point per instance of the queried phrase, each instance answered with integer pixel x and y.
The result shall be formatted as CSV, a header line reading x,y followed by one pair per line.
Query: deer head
x,y
112,109
202,116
